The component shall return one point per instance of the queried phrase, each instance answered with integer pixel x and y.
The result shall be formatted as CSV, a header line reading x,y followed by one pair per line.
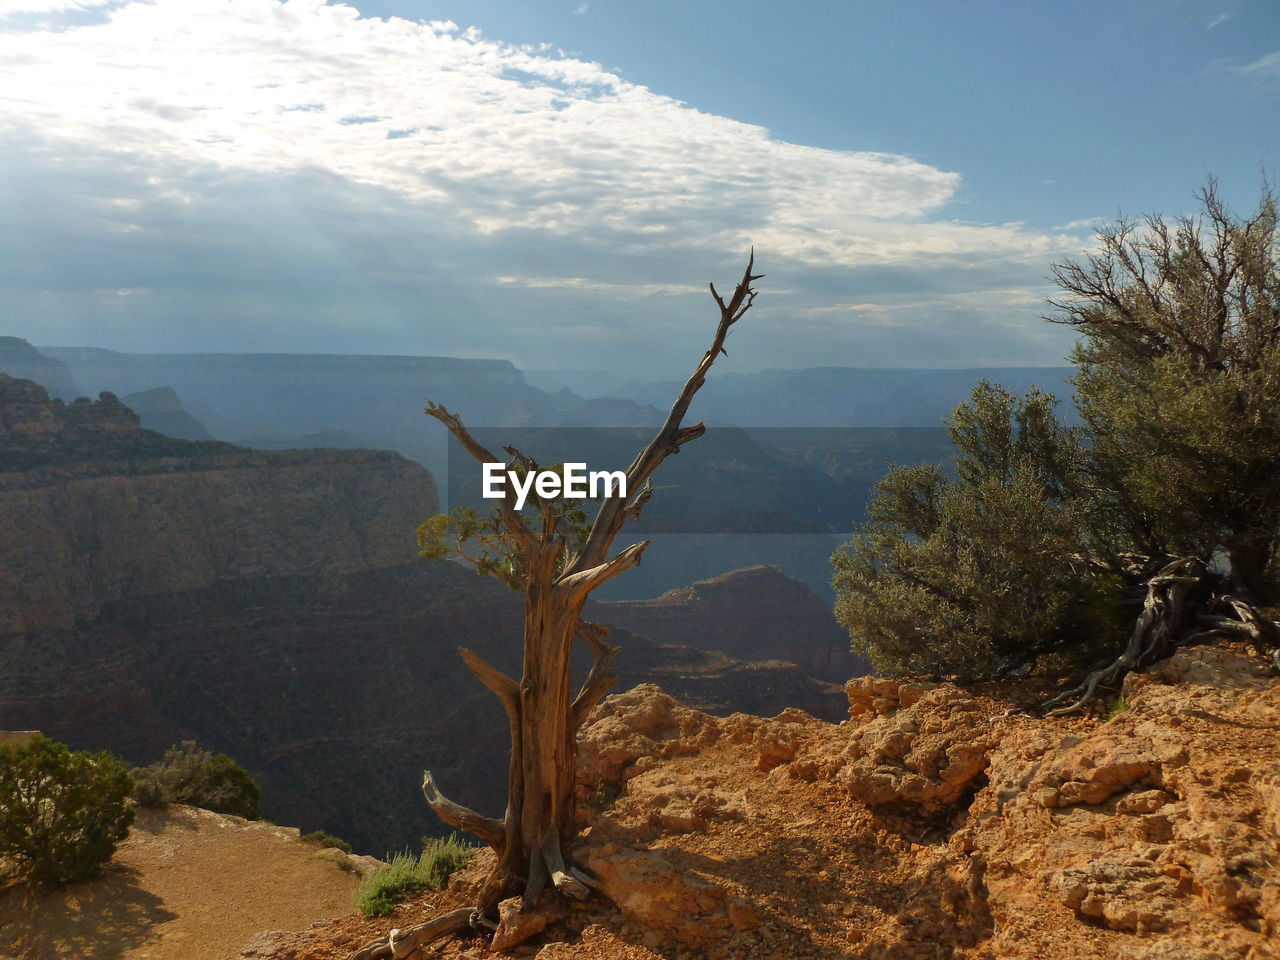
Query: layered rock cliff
x,y
20,359
757,613
272,606
95,510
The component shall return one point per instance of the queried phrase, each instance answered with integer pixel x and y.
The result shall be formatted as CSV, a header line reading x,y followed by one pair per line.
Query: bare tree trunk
x,y
559,573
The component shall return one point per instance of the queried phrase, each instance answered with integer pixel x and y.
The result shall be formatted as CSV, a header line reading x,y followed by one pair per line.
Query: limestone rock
x,y
516,925
675,904
269,943
927,755
877,696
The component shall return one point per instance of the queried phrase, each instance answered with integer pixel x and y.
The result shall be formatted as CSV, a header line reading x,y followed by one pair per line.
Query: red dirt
x,y
187,884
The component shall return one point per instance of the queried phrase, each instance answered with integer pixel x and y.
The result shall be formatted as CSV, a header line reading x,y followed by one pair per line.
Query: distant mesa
x,y
819,396
756,613
161,410
280,401
21,360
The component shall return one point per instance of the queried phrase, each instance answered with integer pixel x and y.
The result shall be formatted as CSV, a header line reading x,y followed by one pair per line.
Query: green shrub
x,y
190,774
62,813
983,572
383,889
323,838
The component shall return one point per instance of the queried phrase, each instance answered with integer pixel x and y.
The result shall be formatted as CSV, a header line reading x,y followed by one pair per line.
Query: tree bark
x,y
1180,610
543,714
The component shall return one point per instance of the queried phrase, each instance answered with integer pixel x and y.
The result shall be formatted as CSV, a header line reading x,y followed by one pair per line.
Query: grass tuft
x,y
382,890
322,838
1119,706
338,859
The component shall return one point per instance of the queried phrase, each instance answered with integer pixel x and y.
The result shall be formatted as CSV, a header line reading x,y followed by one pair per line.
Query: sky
x,y
555,183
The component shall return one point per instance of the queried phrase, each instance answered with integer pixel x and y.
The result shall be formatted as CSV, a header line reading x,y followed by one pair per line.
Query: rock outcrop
x,y
19,359
935,823
1153,834
1158,825
757,613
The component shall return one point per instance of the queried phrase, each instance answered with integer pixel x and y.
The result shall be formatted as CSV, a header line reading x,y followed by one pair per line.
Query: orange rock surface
x,y
935,823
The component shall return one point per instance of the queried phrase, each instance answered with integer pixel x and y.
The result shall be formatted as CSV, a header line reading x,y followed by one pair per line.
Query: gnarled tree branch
x,y
672,434
402,943
1174,614
511,518
562,879
503,686
600,678
488,829
584,581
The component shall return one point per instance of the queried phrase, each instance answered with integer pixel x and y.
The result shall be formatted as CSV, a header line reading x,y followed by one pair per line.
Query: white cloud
x,y
10,7
599,286
1084,223
1265,66
286,175
501,137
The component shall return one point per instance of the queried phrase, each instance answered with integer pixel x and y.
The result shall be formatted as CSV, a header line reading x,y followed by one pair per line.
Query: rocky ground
x,y
187,884
934,823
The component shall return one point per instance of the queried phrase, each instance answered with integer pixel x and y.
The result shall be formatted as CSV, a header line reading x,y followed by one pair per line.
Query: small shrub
x,y
603,796
190,774
62,813
1118,707
984,572
323,838
147,790
339,860
430,870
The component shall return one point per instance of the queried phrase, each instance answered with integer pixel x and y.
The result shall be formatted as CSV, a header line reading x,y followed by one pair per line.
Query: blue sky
x,y
555,183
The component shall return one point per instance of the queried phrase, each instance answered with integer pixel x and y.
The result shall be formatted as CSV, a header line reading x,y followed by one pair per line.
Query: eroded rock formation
x,y
273,606
757,613
934,823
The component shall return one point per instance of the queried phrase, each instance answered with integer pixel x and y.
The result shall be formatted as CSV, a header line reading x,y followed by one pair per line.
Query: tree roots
x,y
402,943
1180,610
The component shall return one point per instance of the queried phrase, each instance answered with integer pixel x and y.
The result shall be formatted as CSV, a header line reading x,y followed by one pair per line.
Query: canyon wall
x,y
272,606
757,613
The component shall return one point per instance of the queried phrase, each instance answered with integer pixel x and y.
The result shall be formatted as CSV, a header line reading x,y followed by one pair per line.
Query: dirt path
x,y
187,885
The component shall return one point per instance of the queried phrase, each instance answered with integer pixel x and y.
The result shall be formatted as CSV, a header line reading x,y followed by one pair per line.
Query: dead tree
x,y
1181,609
557,567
